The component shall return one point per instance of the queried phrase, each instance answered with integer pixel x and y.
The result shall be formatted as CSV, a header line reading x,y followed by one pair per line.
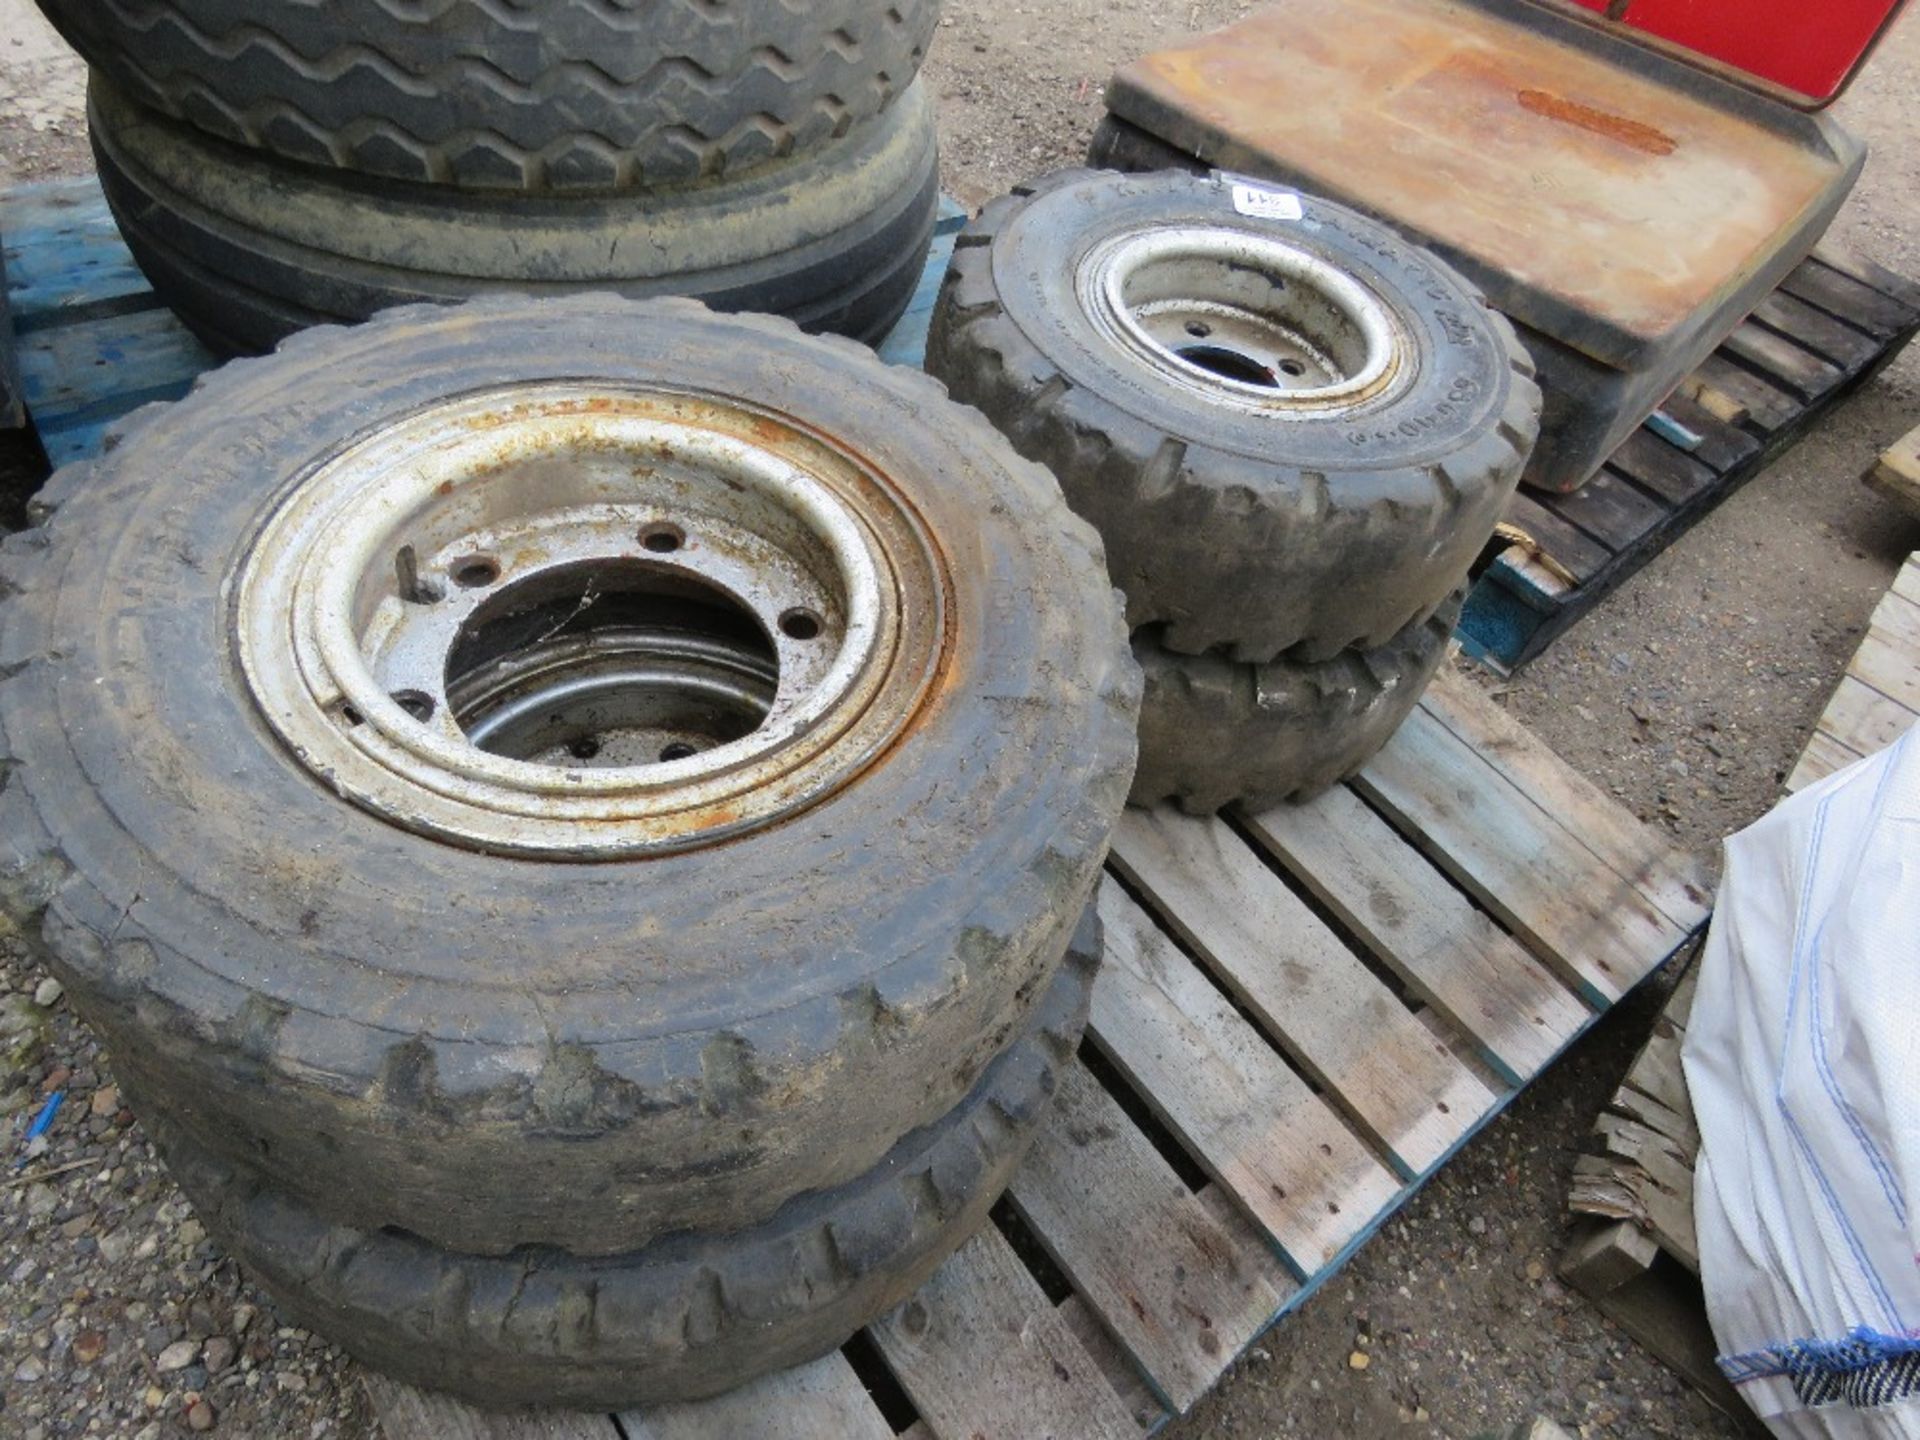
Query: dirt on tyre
x,y
1214,731
687,1317
648,749
1294,430
537,96
248,249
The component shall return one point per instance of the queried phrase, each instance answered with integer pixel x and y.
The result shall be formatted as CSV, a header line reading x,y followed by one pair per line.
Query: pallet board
x,y
1833,324
1878,698
1896,474
1303,1013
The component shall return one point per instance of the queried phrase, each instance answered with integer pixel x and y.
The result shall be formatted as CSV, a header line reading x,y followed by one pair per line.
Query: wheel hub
x,y
589,622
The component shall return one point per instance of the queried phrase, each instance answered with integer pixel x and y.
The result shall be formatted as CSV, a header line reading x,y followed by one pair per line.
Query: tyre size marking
x,y
1463,389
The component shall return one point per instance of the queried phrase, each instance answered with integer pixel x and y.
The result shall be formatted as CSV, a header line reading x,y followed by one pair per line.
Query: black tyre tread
x,y
1214,731
1284,526
242,286
553,95
685,1318
303,1084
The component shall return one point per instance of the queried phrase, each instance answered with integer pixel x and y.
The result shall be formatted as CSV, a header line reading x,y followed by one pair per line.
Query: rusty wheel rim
x,y
588,622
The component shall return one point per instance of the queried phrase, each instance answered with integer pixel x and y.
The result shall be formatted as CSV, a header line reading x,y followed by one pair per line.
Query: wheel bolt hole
x,y
585,748
1199,329
475,572
347,714
662,538
416,703
678,750
1292,367
800,624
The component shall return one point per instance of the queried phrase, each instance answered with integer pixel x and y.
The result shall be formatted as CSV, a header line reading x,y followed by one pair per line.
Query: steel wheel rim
x,y
1244,320
689,543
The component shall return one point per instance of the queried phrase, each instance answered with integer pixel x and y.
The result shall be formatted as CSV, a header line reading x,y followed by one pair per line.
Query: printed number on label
x,y
1264,204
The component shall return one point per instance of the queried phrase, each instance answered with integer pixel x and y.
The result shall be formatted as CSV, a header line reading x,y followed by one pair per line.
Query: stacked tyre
x,y
275,164
575,820
1294,431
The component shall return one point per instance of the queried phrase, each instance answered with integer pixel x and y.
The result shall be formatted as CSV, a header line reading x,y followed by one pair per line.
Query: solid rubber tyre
x,y
247,248
1214,731
536,96
401,1031
688,1317
1233,529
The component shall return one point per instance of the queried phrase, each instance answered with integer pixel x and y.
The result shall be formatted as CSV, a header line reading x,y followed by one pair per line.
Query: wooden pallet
x,y
1303,1013
1896,474
1833,324
95,342
1878,698
1633,1251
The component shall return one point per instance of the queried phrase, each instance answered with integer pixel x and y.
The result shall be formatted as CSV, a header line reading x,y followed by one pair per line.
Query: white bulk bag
x,y
1802,1057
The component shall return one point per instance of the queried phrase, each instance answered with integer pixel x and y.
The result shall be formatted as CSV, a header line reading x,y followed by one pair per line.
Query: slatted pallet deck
x,y
1878,698
1834,323
1303,1013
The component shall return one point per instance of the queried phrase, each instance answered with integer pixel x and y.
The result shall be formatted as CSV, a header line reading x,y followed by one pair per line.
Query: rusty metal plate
x,y
1604,195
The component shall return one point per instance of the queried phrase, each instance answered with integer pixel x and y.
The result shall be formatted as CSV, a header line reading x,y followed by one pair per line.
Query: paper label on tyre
x,y
1263,203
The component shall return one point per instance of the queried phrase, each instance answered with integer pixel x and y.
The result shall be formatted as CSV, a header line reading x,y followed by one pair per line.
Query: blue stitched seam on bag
x,y
1864,1370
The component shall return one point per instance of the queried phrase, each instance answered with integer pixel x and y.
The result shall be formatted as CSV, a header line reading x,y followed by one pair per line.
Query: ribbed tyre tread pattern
x,y
535,95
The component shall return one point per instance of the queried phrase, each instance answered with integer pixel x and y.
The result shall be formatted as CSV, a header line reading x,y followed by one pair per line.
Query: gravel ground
x,y
1688,694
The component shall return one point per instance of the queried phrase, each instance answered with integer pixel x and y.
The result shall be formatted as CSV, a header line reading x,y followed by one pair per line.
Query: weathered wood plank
x,y
1769,407
1823,756
410,1414
1836,253
1672,474
1311,994
1840,295
1662,1177
810,1402
1863,718
1584,918
1121,1373
981,1352
1578,553
1448,953
1889,668
1179,1291
1674,881
1608,1255
1215,1082
1608,508
1788,364
1818,331
1906,583
1723,444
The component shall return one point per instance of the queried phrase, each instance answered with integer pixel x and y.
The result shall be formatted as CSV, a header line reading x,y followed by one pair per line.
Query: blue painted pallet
x,y
1303,1015
95,342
